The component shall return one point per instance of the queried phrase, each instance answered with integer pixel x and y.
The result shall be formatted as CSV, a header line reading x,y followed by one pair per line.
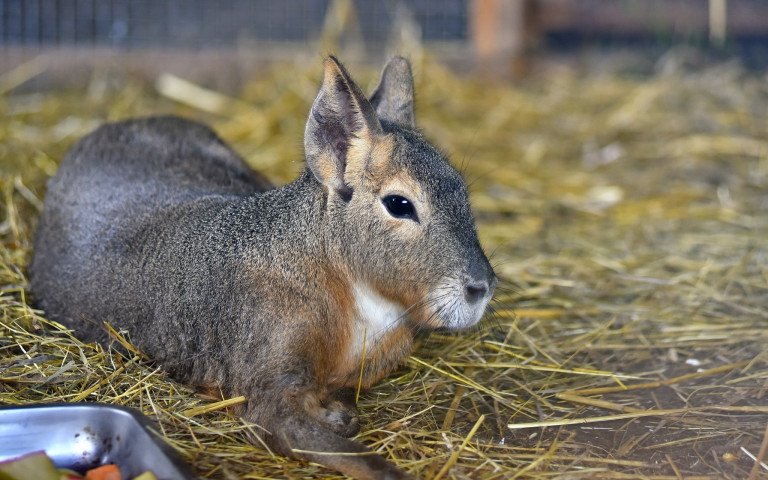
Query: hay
x,y
626,217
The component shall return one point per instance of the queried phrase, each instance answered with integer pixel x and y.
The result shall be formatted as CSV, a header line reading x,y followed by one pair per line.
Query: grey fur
x,y
157,227
393,98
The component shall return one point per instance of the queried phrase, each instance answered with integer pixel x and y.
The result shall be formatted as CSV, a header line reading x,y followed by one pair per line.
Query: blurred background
x,y
617,157
496,37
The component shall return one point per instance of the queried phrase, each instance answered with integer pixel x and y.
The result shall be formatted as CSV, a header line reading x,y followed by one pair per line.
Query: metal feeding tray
x,y
80,436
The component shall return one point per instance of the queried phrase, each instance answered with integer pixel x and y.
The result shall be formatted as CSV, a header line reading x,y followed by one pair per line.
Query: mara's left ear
x,y
393,98
340,116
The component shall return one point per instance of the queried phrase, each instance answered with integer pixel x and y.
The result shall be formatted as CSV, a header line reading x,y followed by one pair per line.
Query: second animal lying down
x,y
158,228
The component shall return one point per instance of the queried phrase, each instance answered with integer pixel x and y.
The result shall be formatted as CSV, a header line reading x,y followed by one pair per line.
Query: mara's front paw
x,y
342,418
336,412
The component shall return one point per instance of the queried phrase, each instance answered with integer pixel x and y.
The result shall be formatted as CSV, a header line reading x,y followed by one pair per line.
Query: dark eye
x,y
399,207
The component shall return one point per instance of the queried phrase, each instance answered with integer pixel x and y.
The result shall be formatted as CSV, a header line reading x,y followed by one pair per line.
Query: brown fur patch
x,y
388,351
368,159
209,391
412,298
380,360
312,404
388,354
326,168
338,331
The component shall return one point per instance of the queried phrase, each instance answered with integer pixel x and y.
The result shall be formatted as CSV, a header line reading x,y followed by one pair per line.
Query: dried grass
x,y
626,218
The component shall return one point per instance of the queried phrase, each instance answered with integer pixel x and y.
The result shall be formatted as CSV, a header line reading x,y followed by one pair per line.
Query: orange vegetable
x,y
104,472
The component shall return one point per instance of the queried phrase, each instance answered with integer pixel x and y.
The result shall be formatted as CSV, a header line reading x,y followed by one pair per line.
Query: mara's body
x,y
158,228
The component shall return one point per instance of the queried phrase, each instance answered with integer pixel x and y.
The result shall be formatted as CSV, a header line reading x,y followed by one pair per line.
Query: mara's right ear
x,y
339,115
393,98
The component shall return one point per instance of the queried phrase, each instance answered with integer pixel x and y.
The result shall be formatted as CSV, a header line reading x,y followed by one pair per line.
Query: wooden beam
x,y
503,32
718,21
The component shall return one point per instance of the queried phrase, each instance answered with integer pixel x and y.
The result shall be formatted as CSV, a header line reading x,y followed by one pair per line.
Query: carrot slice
x,y
104,472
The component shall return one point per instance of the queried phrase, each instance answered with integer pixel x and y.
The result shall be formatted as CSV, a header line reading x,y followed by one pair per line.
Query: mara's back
x,y
124,183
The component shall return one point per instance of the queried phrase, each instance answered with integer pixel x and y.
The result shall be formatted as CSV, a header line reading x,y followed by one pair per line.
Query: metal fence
x,y
196,24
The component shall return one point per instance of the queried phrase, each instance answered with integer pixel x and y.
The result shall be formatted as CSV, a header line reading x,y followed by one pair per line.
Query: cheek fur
x,y
405,230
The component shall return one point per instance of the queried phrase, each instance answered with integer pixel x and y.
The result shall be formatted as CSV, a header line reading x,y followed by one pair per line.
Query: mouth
x,y
450,310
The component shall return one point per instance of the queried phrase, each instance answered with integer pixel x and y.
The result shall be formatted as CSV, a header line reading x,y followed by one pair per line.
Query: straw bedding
x,y
625,217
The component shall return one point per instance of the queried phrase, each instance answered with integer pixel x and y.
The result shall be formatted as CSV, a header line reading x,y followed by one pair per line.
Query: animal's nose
x,y
475,290
479,280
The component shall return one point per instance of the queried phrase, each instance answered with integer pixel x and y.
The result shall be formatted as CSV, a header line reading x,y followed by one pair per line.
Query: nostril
x,y
475,291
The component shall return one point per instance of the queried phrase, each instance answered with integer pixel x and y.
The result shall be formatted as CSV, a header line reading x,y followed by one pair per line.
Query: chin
x,y
462,317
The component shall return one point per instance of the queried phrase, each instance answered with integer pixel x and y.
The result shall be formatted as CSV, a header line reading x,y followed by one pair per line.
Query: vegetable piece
x,y
104,472
148,475
67,474
35,465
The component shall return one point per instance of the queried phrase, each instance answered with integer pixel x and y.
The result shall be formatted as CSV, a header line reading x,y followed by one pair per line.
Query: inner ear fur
x,y
340,115
393,98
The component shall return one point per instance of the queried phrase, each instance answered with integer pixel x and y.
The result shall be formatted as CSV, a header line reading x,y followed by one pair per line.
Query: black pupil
x,y
399,207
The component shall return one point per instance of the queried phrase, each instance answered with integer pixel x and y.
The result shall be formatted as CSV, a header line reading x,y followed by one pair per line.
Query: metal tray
x,y
85,435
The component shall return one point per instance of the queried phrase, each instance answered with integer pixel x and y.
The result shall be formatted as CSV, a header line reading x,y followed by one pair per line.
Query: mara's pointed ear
x,y
340,115
393,98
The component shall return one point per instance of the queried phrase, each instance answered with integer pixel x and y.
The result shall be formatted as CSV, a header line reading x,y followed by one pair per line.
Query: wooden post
x,y
503,31
718,21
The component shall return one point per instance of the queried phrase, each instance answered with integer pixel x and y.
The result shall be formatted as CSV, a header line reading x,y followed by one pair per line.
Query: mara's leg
x,y
299,433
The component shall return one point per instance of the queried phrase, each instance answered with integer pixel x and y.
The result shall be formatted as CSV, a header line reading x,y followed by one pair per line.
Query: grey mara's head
x,y
398,212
